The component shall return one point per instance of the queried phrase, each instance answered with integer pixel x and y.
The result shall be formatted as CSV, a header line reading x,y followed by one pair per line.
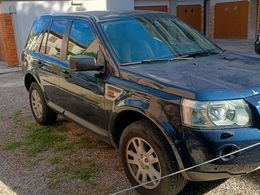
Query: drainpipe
x,y
205,17
172,7
257,18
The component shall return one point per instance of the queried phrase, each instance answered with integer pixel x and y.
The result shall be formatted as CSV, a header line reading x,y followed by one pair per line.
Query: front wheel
x,y
146,157
41,112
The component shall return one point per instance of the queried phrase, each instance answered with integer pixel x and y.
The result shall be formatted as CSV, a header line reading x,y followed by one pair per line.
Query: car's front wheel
x,y
147,157
41,112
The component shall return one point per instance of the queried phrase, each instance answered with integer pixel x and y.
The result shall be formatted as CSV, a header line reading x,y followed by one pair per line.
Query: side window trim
x,y
28,38
69,32
64,38
46,29
65,41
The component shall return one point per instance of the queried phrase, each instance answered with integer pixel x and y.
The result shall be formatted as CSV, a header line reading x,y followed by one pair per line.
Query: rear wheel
x,y
41,112
257,47
146,157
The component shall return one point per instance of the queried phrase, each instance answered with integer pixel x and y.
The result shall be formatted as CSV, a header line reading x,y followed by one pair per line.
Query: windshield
x,y
140,39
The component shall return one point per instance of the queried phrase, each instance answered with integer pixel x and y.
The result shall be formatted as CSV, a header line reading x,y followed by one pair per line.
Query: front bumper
x,y
199,146
210,176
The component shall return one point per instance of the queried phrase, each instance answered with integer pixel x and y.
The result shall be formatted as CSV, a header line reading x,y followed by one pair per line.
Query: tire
x,y
41,112
143,131
257,47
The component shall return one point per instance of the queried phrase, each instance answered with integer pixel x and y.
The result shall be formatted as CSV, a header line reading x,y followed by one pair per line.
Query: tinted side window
x,y
44,42
56,33
34,39
82,40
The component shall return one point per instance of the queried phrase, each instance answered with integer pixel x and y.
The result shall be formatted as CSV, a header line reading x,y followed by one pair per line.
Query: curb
x,y
10,70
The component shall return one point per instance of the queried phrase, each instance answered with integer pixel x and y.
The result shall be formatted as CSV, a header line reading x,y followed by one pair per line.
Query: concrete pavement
x,y
4,69
240,46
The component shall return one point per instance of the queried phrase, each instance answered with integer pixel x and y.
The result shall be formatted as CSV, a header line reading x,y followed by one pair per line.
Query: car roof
x,y
106,15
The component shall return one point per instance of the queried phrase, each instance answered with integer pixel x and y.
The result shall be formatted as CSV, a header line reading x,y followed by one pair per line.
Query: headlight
x,y
216,114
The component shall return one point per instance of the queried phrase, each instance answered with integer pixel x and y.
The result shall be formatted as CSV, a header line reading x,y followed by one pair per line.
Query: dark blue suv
x,y
153,87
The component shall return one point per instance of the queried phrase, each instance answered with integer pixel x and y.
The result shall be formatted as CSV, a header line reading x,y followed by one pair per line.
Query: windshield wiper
x,y
147,61
158,60
200,53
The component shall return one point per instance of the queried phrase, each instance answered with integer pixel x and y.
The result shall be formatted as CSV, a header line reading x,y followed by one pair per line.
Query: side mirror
x,y
84,63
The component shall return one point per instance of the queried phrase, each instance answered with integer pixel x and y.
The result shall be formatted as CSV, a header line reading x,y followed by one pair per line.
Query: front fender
x,y
151,109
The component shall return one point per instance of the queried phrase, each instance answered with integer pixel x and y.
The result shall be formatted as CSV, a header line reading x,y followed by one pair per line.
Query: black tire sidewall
x,y
42,120
257,48
166,157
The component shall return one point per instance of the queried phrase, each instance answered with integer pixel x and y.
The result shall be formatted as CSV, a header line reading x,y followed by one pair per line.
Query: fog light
x,y
227,149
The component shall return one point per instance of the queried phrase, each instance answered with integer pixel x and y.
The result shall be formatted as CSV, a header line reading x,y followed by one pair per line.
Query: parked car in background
x,y
153,87
257,43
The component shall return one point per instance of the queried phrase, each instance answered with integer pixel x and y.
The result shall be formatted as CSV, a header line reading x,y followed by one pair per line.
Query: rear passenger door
x,y
30,53
52,66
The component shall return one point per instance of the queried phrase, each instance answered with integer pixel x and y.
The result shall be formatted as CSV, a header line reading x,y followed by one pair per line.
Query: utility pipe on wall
x,y
205,12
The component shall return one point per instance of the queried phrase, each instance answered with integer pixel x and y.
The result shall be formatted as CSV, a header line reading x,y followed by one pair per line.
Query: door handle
x,y
66,74
40,64
35,63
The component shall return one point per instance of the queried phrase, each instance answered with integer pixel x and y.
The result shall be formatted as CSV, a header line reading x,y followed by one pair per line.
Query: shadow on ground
x,y
195,188
253,177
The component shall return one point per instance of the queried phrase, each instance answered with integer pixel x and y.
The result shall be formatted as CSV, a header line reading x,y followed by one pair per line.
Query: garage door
x,y
231,20
162,8
190,14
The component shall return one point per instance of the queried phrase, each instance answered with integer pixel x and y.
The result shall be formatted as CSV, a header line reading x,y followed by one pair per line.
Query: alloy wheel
x,y
143,162
36,103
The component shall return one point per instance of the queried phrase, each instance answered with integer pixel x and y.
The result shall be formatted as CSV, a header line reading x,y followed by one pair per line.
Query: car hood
x,y
223,76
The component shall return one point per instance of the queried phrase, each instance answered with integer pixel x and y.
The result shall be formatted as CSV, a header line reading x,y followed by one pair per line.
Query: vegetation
x,y
54,140
55,160
88,172
12,145
41,138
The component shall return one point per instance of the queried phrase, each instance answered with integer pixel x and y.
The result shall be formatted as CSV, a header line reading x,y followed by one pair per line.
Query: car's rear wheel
x,y
257,47
146,157
41,112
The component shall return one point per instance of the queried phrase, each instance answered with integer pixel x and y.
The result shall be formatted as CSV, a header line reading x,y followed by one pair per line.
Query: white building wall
x,y
24,12
214,2
191,2
120,5
151,2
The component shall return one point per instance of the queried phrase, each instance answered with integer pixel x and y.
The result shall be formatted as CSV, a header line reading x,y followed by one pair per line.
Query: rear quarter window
x,y
35,36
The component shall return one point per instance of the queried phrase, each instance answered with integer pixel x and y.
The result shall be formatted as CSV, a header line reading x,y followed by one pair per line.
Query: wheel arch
x,y
127,115
29,78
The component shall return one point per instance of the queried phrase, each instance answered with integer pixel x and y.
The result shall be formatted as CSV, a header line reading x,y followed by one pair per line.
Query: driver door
x,y
84,91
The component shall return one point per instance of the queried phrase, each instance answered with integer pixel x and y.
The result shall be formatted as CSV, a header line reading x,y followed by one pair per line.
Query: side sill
x,y
92,127
204,176
55,107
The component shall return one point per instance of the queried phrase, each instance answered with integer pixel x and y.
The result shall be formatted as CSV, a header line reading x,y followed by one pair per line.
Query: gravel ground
x,y
24,174
54,171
